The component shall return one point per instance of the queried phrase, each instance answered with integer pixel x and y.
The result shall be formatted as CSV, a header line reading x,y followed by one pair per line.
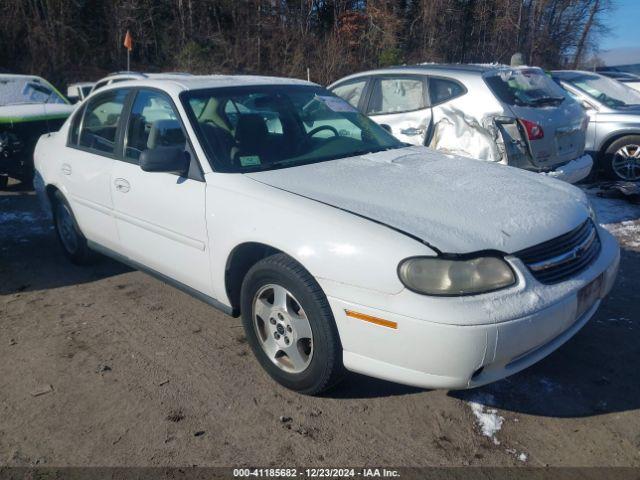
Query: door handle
x,y
412,131
65,169
122,185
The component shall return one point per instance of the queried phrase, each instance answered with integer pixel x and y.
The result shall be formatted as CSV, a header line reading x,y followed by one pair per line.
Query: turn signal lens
x,y
534,131
437,276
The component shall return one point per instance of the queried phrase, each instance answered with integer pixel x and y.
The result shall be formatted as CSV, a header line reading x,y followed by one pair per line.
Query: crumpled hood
x,y
454,204
34,112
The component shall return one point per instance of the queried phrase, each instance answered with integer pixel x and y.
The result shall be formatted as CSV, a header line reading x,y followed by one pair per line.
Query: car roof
x,y
177,82
17,76
572,74
453,69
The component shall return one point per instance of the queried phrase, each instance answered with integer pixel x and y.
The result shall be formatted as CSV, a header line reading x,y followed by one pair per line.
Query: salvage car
x,y
513,115
613,136
340,249
29,107
118,77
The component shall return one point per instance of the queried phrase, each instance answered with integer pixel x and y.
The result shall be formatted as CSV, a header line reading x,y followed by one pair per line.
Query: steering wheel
x,y
311,133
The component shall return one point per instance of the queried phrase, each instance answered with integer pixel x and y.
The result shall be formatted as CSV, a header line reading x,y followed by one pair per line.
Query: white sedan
x,y
339,246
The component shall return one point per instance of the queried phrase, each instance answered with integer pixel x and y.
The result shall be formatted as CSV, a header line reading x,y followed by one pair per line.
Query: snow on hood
x,y
454,204
34,111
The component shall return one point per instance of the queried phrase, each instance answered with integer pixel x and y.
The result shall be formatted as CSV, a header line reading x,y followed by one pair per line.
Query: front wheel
x,y
73,242
289,325
622,159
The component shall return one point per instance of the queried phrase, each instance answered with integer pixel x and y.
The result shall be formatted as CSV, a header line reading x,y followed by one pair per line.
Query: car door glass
x,y
441,90
395,95
75,126
351,92
153,123
101,119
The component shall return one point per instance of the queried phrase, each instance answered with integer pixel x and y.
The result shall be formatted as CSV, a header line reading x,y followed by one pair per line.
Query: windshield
x,y
526,87
265,127
17,91
606,90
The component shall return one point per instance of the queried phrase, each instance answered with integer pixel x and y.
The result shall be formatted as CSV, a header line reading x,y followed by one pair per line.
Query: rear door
x,y
402,103
88,164
553,123
160,216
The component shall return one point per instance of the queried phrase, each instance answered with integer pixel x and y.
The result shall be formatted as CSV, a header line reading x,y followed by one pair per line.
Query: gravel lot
x,y
108,366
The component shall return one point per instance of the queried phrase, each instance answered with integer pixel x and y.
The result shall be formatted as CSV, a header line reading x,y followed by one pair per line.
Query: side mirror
x,y
386,127
165,159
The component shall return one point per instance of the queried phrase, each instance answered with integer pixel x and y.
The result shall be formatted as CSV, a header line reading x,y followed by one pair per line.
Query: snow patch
x,y
487,419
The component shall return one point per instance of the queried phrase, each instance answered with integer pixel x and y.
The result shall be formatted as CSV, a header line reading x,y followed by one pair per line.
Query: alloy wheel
x,y
626,162
282,328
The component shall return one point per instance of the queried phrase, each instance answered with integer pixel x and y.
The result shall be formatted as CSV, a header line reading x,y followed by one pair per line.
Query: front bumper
x,y
573,171
441,353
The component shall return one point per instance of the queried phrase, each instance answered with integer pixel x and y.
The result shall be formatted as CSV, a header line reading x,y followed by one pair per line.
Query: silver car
x,y
516,116
613,135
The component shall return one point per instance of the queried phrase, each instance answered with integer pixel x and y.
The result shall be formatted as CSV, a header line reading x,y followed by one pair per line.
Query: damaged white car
x,y
340,247
515,116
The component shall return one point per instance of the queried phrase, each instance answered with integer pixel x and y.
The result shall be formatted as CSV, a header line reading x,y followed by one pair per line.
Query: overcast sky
x,y
625,25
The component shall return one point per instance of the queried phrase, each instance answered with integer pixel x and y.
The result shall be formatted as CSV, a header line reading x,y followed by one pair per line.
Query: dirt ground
x,y
108,366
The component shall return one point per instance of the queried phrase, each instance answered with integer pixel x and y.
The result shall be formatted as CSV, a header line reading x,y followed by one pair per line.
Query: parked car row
x,y
341,246
517,116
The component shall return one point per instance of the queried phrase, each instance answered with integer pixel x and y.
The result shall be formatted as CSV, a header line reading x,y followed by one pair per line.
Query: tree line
x,y
73,40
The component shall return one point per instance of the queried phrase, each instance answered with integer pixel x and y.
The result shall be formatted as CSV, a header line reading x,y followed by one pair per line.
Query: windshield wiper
x,y
294,162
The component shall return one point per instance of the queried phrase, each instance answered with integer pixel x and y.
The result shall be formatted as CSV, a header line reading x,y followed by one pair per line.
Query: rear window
x,y
526,87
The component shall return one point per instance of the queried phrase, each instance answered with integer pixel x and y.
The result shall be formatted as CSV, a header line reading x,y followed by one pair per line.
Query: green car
x,y
29,107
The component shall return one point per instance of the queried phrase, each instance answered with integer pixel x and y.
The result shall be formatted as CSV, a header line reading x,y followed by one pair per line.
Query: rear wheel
x,y
73,242
289,325
622,159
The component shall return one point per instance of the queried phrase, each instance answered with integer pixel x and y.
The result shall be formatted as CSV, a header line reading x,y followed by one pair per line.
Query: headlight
x,y
438,276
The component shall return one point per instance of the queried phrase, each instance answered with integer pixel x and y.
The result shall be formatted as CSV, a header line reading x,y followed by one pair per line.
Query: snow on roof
x,y
19,89
194,82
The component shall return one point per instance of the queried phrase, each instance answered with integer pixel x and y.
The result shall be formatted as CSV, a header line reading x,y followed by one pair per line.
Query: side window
x,y
74,130
395,95
153,123
351,92
441,90
101,119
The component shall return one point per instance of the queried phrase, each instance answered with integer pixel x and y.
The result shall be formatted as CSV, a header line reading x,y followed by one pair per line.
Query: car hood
x,y
454,204
33,112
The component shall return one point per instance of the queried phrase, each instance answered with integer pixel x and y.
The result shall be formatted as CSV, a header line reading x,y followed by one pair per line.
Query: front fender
x,y
341,250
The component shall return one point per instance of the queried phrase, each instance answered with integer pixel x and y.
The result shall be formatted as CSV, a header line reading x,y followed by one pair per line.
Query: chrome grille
x,y
562,257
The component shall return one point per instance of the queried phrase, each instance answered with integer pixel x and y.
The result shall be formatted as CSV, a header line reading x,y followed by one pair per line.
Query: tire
x,y
4,181
317,366
73,242
619,165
